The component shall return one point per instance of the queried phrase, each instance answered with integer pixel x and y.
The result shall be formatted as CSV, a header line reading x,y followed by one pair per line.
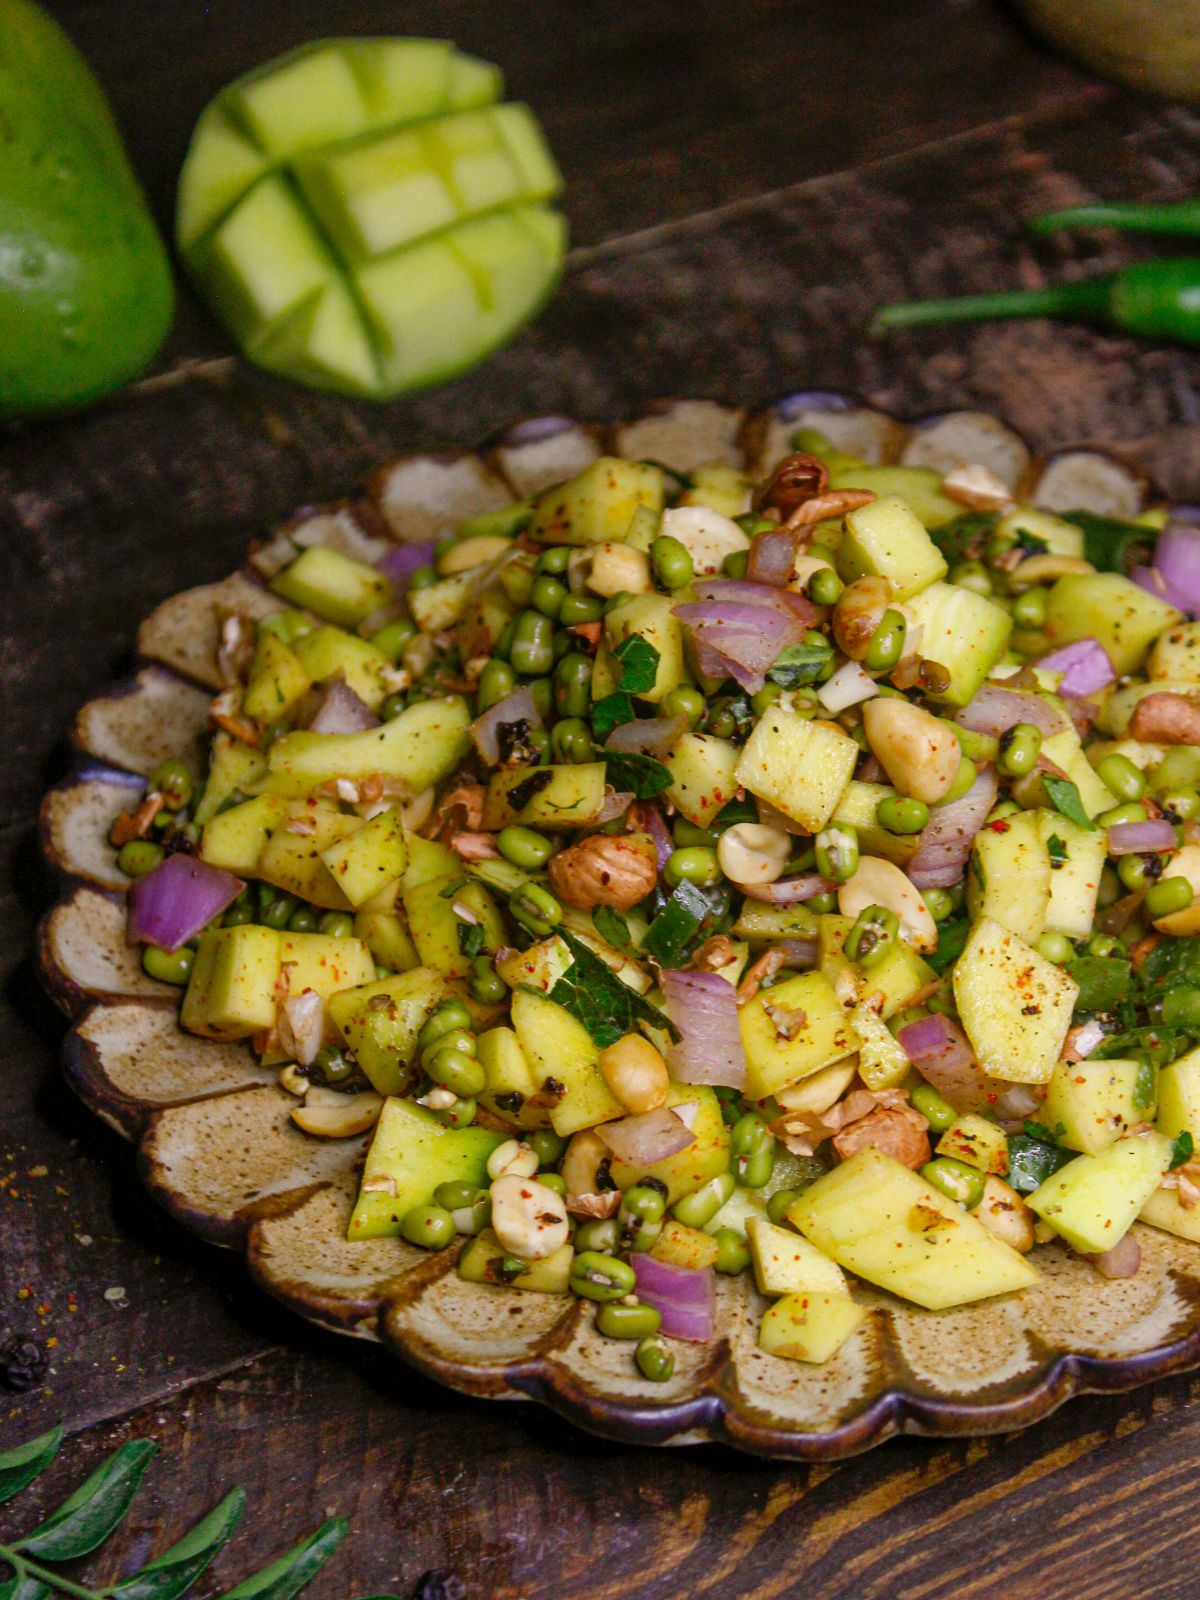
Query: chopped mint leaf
x,y
1181,1150
1110,544
1064,797
642,776
952,936
610,713
612,927
596,997
639,664
1057,851
801,663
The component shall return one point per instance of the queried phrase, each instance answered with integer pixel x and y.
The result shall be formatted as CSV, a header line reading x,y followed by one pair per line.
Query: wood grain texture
x,y
744,184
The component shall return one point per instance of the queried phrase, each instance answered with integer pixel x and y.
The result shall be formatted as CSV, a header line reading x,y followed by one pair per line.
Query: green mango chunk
x,y
86,296
410,1155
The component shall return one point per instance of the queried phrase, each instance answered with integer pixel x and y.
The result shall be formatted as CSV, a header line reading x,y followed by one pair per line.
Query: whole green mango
x,y
86,296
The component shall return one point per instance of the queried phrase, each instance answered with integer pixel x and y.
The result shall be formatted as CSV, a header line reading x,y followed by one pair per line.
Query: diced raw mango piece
x,y
410,1155
692,1167
1009,877
333,585
429,910
1092,1201
785,1262
1076,862
1059,537
809,1327
277,680
1164,1209
326,652
1111,608
978,1142
510,1080
720,487
428,859
801,767
291,857
882,1060
559,1048
774,1059
538,967
484,1261
963,632
1065,750
366,861
704,776
323,962
233,766
882,1222
473,83
650,617
918,487
1179,1097
378,194
231,991
380,1023
234,839
598,505
685,1247
857,809
1089,1105
1176,655
468,153
388,939
884,988
886,539
545,797
421,746
324,343
1015,1005
526,146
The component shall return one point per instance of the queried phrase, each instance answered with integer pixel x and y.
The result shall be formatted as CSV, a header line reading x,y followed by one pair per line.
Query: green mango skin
x,y
86,296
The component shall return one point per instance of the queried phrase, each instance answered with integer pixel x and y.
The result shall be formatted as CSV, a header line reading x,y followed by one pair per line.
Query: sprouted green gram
x,y
682,888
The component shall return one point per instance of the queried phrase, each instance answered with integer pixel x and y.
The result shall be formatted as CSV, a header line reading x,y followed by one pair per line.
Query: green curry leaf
x,y
595,996
1064,797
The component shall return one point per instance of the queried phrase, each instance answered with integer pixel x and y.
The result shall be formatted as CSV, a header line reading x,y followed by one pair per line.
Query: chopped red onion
x,y
741,592
647,1138
515,708
947,838
703,1006
647,736
747,638
1177,559
616,803
177,900
1084,665
1141,838
772,558
402,561
647,818
685,1297
1152,580
941,1053
995,710
788,891
849,686
1120,1260
341,711
798,953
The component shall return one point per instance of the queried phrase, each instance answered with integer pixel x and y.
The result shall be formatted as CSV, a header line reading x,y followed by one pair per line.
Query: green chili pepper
x,y
1179,217
1159,298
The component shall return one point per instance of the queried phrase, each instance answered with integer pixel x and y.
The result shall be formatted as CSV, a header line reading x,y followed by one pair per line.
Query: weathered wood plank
x,y
1093,1502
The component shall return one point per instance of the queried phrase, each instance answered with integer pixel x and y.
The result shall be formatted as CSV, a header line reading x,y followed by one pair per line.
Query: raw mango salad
x,y
677,876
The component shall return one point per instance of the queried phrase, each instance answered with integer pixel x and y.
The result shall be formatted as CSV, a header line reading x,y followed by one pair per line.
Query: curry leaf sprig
x,y
88,1516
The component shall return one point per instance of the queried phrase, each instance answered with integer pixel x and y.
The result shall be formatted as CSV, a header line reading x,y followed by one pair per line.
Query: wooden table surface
x,y
742,183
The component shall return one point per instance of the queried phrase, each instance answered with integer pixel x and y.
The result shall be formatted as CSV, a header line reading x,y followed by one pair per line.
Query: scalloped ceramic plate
x,y
216,1147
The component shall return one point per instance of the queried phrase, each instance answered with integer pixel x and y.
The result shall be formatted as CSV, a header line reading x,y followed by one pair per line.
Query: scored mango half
x,y
365,216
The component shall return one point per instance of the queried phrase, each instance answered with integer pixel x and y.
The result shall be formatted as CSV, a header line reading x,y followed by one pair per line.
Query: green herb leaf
x,y
801,663
691,913
173,1573
289,1574
1173,963
613,928
1064,797
1031,1161
1181,1150
1110,544
1145,1087
610,713
1103,981
23,1589
642,776
1159,1046
471,938
1038,1130
966,538
735,811
21,1465
639,664
1056,849
952,936
87,1517
595,996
